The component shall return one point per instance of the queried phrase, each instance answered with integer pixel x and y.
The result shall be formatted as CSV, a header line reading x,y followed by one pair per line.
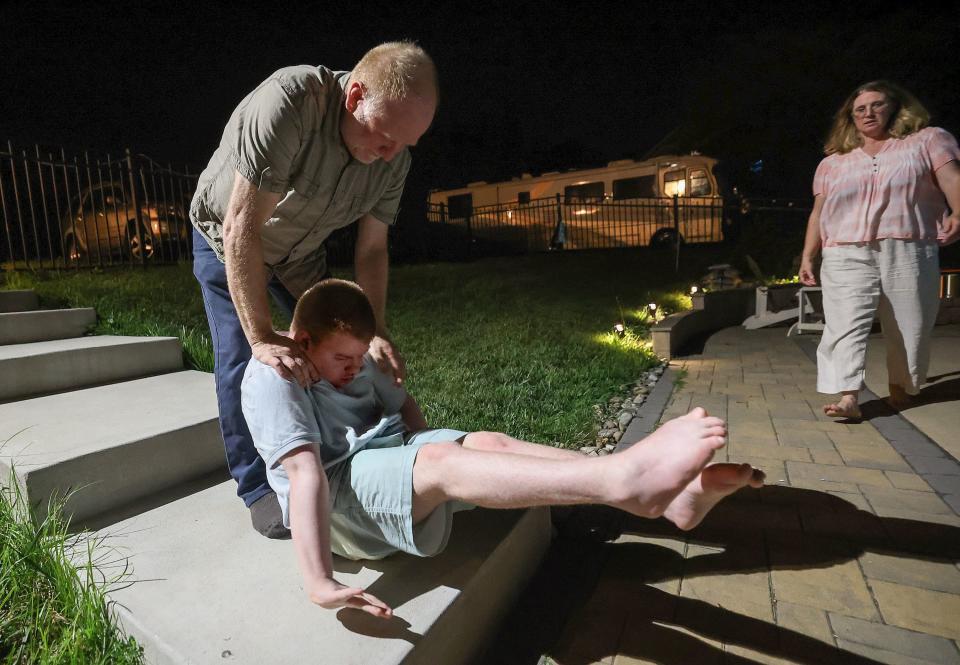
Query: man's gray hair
x,y
395,71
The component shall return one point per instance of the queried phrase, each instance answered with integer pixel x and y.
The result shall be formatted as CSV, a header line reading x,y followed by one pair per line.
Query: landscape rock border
x,y
630,406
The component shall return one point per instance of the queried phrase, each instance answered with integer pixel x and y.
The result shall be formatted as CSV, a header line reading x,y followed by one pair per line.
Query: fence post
x,y
469,234
676,231
559,238
136,206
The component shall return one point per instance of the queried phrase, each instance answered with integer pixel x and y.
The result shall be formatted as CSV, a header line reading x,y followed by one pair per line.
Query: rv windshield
x,y
699,183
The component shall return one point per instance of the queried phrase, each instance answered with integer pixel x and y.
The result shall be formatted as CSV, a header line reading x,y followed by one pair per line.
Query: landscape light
x,y
694,289
652,307
619,329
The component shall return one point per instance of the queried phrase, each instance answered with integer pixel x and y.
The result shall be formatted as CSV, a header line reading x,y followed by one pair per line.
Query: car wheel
x,y
140,246
664,238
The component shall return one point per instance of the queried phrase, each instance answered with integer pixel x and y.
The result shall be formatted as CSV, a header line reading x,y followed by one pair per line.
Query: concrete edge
x,y
53,324
156,651
648,415
75,480
711,311
491,592
95,365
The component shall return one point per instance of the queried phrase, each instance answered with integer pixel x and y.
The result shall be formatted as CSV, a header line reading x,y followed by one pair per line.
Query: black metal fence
x,y
71,211
555,223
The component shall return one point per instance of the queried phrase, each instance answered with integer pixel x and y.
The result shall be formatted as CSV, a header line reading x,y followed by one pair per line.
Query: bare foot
x,y
705,491
648,476
900,399
845,407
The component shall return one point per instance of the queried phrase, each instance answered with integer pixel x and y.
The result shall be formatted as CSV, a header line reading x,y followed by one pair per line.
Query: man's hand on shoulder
x,y
387,356
286,357
330,594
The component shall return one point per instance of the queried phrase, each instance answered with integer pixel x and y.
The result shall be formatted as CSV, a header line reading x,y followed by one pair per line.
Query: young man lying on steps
x,y
357,472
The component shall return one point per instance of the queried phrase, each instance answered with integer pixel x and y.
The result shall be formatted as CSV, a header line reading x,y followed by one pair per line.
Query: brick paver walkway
x,y
849,555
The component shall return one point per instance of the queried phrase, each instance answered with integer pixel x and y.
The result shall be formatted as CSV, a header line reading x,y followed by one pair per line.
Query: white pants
x,y
899,280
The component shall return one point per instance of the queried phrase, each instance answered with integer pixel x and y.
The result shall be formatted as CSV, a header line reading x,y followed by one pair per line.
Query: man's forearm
x,y
246,278
371,266
372,271
247,211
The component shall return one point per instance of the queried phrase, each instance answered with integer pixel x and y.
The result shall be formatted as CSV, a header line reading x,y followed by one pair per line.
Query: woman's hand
x,y
807,275
330,594
950,230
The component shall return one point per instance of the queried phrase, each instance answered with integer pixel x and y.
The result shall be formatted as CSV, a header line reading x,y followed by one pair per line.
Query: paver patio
x,y
849,555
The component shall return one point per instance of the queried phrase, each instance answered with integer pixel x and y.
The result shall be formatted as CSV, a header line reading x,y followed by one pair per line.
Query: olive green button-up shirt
x,y
284,137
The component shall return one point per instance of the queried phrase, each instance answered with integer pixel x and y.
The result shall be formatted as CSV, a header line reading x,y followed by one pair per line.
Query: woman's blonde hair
x,y
908,117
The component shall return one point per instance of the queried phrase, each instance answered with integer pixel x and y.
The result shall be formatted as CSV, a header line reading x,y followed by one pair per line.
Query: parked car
x,y
103,222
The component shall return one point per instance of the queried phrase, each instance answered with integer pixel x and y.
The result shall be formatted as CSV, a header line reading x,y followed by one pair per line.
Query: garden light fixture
x,y
654,311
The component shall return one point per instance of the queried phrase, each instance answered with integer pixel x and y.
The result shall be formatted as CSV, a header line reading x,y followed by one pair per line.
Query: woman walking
x,y
880,212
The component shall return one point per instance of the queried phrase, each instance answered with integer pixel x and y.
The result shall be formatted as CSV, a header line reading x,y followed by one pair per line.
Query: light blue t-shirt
x,y
283,416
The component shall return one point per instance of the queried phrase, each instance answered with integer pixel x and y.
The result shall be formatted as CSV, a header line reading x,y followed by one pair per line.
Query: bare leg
x,y
643,480
845,407
706,490
502,443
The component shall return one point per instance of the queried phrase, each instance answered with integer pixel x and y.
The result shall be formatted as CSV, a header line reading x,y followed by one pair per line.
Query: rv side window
x,y
642,187
523,198
674,183
459,206
699,183
589,192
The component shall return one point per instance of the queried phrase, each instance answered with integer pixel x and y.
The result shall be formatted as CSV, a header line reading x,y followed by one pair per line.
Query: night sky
x,y
524,87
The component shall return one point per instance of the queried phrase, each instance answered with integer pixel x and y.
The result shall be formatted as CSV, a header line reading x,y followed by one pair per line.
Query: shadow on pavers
x,y
945,391
935,393
575,615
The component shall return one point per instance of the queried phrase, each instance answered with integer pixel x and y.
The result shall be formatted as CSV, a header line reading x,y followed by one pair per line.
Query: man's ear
x,y
354,95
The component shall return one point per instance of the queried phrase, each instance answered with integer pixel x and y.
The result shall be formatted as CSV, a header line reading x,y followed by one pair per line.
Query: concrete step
x,y
43,367
113,443
44,325
208,589
18,301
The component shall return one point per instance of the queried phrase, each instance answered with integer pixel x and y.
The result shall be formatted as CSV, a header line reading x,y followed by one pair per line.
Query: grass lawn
x,y
522,344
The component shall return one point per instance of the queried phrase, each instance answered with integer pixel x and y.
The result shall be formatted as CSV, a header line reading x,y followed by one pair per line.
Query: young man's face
x,y
338,356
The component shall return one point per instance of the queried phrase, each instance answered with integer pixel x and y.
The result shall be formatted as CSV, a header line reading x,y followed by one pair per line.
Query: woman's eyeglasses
x,y
874,107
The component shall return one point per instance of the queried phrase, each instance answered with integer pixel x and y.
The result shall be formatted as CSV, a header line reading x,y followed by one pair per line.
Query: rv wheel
x,y
664,238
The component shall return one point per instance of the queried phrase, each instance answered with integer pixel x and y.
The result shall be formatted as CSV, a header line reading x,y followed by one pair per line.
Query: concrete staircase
x,y
117,426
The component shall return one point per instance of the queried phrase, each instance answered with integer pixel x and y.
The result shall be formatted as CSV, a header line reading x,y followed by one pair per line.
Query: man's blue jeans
x,y
230,355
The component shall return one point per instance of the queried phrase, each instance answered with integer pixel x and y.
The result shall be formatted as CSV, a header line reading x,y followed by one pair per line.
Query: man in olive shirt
x,y
309,151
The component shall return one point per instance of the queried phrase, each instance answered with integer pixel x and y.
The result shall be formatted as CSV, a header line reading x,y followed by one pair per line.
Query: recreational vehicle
x,y
624,204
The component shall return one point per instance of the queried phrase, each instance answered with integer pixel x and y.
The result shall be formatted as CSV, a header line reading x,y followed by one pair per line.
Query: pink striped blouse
x,y
892,195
